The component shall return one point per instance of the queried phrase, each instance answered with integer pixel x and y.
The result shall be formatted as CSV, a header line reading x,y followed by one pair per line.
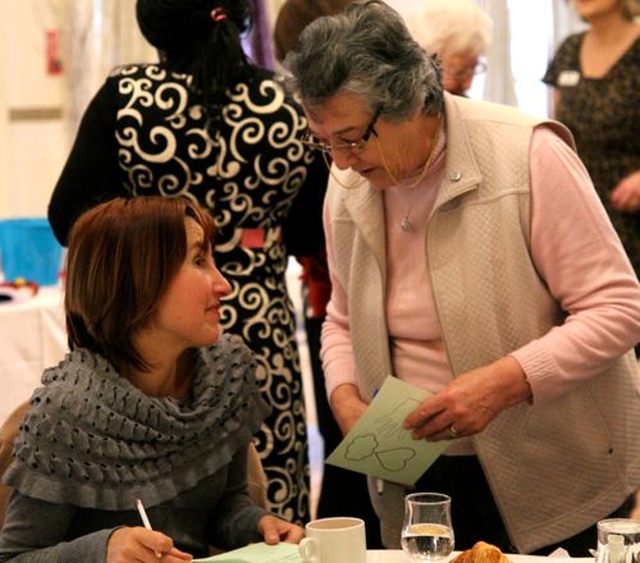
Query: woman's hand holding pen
x,y
470,402
128,545
138,544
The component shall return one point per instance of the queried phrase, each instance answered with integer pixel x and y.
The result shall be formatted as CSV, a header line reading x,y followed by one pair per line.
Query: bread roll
x,y
481,552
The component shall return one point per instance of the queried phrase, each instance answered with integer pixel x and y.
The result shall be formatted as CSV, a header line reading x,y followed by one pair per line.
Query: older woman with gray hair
x,y
459,33
470,256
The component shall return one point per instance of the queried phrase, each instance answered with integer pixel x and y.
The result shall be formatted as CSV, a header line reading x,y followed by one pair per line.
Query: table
x,y
289,552
32,338
398,556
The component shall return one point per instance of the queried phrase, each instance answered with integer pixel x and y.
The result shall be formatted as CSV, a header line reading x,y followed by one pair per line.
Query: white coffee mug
x,y
332,540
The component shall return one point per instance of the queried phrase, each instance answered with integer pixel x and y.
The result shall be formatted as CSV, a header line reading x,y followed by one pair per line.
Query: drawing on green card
x,y
389,426
364,446
361,447
379,445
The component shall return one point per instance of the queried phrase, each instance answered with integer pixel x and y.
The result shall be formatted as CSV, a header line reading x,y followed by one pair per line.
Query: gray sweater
x,y
92,443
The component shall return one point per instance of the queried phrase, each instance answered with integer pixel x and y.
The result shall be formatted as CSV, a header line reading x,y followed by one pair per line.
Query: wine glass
x,y
618,541
427,533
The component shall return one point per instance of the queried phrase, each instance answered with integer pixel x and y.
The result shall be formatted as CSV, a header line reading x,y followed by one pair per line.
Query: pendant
x,y
405,224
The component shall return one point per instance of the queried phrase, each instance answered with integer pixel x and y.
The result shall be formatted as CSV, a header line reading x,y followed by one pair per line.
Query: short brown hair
x,y
122,256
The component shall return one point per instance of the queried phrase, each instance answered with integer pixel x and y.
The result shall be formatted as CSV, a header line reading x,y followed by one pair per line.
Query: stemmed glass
x,y
427,533
618,541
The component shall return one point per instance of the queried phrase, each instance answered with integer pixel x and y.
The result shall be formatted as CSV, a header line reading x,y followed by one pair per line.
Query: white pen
x,y
145,520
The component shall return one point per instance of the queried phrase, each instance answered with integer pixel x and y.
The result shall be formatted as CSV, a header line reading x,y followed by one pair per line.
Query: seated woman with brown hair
x,y
152,403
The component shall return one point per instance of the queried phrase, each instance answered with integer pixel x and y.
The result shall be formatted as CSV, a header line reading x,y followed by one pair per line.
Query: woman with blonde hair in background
x,y
458,32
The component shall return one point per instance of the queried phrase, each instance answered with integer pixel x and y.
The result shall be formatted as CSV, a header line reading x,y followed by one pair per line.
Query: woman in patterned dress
x,y
207,124
595,77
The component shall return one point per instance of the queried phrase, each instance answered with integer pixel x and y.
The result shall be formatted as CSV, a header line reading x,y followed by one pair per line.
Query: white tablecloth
x,y
32,337
398,556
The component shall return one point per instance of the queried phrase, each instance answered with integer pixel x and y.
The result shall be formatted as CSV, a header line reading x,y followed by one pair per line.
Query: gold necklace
x,y
405,222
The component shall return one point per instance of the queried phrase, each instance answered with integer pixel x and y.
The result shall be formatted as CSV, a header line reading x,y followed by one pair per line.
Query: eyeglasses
x,y
328,147
479,68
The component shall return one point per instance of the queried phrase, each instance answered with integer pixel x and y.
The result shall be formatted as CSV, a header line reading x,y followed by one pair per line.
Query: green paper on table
x,y
379,446
257,553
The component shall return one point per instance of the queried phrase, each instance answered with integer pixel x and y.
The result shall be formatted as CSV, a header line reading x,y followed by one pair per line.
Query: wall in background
x,y
54,54
39,106
31,127
3,120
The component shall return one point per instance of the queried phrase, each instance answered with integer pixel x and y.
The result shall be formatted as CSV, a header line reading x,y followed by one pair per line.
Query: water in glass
x,y
427,533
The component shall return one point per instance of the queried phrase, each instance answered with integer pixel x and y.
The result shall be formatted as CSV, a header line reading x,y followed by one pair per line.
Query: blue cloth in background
x,y
29,250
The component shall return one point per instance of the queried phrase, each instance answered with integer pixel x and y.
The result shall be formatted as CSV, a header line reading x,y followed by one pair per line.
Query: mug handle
x,y
308,549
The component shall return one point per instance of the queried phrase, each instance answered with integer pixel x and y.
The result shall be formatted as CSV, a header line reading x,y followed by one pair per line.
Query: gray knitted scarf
x,y
94,440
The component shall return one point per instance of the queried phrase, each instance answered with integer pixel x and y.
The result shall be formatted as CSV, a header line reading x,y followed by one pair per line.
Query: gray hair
x,y
451,27
368,51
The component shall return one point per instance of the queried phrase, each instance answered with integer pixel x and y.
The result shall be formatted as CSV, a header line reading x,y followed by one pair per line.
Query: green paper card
x,y
379,446
257,553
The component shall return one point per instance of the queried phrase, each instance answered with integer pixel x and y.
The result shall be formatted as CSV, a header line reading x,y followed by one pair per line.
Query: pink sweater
x,y
563,222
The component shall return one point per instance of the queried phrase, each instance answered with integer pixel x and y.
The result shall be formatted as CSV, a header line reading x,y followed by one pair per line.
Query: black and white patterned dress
x,y
143,135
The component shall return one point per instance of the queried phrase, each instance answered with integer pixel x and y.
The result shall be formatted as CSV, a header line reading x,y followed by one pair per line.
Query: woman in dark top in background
x,y
207,124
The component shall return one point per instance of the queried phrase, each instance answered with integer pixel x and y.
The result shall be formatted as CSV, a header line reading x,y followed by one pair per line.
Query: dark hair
x,y
366,50
201,38
294,16
121,258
